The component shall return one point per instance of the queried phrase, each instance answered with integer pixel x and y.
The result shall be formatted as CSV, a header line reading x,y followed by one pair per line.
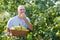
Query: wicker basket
x,y
19,33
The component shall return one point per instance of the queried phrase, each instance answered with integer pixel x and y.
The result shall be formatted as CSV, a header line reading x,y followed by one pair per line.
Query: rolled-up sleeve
x,y
28,19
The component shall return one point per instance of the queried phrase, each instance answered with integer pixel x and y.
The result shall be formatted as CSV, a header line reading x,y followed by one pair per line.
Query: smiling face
x,y
21,9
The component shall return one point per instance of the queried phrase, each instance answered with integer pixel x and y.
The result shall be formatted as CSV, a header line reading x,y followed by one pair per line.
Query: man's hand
x,y
23,16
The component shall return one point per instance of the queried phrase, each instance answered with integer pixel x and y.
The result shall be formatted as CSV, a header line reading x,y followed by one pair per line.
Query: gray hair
x,y
20,6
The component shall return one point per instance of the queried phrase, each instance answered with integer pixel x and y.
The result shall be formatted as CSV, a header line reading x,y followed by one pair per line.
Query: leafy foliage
x,y
42,13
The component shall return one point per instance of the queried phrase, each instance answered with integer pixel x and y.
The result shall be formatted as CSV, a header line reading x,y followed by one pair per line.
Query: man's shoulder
x,y
27,17
13,18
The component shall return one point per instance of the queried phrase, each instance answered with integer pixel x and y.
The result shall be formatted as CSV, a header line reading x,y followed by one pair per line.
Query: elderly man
x,y
20,19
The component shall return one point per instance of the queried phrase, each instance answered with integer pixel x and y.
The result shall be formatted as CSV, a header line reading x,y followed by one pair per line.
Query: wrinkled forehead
x,y
21,7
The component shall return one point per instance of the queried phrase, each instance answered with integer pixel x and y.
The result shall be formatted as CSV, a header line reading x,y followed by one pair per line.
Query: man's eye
x,y
22,9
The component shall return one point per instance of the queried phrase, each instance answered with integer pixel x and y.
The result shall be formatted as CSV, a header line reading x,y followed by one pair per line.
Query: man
x,y
20,19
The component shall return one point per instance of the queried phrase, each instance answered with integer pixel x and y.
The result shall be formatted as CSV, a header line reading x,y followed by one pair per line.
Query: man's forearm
x,y
28,24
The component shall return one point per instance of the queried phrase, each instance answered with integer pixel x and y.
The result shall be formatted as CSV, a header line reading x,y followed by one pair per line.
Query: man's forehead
x,y
21,7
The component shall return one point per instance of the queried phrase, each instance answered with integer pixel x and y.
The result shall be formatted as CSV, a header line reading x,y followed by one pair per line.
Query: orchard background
x,y
44,16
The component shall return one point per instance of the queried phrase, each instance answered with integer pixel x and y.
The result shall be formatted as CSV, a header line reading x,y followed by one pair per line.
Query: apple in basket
x,y
19,28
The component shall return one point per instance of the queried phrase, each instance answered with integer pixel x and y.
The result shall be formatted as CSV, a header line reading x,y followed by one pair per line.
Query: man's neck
x,y
19,17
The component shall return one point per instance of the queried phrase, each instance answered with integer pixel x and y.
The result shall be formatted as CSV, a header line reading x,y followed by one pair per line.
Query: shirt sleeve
x,y
28,19
10,24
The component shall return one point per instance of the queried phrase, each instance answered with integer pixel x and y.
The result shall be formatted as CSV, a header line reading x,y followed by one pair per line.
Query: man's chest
x,y
19,23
